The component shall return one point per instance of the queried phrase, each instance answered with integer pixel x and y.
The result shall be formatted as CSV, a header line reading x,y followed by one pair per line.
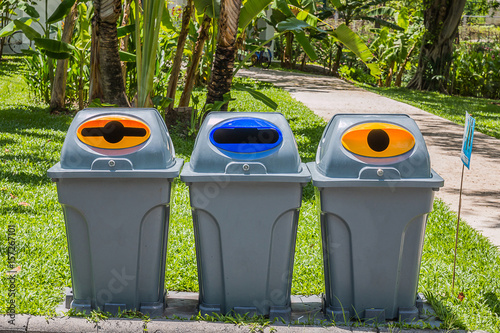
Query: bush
x,y
476,70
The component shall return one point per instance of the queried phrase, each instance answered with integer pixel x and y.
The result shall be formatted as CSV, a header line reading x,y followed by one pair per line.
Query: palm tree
x,y
106,79
222,68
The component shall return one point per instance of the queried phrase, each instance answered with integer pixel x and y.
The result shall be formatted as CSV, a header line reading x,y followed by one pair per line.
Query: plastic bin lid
x,y
371,148
245,146
108,142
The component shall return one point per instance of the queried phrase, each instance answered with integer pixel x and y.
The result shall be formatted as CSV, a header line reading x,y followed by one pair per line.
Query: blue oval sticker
x,y
246,135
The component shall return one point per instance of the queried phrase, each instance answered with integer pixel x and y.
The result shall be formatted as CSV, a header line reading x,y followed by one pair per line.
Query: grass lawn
x,y
30,142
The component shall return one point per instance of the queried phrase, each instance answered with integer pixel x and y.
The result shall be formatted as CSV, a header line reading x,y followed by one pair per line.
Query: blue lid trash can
x,y
375,188
114,182
245,180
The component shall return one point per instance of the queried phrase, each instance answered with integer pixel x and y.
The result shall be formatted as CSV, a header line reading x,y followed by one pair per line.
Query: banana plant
x,y
54,49
395,47
352,10
146,48
82,45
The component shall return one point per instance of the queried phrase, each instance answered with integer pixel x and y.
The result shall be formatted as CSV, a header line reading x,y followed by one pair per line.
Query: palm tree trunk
x,y
181,41
57,101
195,61
106,72
222,68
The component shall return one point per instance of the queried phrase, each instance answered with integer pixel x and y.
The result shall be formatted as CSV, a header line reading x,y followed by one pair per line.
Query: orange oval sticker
x,y
113,132
378,140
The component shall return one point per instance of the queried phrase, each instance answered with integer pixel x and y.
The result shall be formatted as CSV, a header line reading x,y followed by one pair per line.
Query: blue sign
x,y
468,138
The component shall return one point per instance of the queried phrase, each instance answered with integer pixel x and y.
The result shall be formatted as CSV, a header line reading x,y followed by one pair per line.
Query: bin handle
x,y
379,173
246,168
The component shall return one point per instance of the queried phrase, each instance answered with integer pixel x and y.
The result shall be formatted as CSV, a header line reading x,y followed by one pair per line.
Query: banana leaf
x,y
210,7
28,31
250,9
28,9
54,46
354,43
127,57
257,95
57,55
61,11
125,30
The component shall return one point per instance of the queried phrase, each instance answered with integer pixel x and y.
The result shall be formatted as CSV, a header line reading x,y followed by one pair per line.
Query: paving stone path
x,y
327,96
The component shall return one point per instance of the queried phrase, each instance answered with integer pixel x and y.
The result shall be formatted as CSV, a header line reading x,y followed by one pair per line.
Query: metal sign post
x,y
465,157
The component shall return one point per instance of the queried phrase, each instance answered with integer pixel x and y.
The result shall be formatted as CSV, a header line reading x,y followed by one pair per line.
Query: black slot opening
x,y
245,135
113,132
378,140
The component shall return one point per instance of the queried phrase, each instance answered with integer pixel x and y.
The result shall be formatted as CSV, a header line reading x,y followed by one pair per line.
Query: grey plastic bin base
x,y
245,236
372,243
117,238
275,312
341,316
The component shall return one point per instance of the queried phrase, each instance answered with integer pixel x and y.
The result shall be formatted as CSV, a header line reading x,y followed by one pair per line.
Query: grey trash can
x,y
375,188
113,182
245,180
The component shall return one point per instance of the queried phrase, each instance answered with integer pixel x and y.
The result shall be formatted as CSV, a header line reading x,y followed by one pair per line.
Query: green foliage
x,y
61,11
476,70
152,14
78,52
250,9
37,76
480,7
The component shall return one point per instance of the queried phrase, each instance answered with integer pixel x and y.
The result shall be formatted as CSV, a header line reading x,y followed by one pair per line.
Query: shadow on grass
x,y
6,141
15,120
22,177
492,301
10,65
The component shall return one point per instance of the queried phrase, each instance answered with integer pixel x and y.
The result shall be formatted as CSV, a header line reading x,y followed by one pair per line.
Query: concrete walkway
x,y
327,96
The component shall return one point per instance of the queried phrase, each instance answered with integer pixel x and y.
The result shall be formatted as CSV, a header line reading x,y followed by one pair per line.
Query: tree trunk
x,y
399,76
124,40
338,57
2,43
195,61
287,55
57,101
181,41
222,68
106,72
388,79
441,20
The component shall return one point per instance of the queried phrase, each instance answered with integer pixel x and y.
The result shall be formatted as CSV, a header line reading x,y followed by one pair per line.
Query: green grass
x,y
30,142
485,111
